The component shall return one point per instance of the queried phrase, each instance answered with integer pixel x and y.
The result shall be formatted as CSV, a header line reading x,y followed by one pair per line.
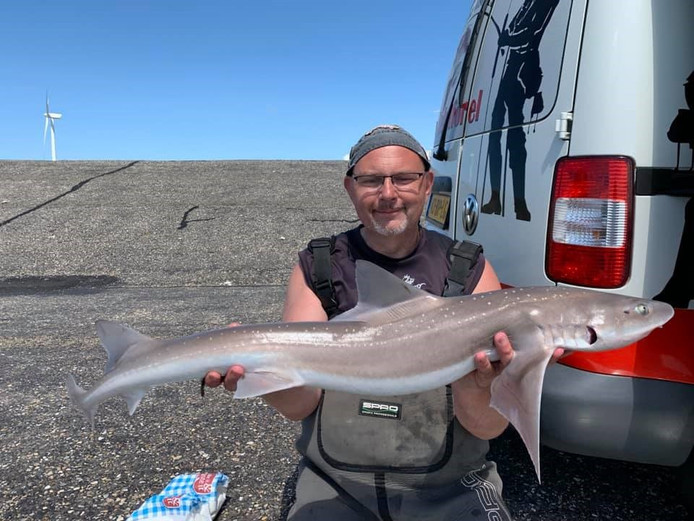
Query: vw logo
x,y
471,212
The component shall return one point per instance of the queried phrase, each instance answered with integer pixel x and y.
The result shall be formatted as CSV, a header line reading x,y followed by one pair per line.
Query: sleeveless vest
x,y
415,439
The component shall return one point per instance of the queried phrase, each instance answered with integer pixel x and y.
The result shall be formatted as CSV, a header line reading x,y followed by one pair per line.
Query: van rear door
x,y
507,123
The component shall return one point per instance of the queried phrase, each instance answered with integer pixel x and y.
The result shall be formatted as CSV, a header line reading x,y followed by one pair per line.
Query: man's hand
x,y
487,371
471,393
230,379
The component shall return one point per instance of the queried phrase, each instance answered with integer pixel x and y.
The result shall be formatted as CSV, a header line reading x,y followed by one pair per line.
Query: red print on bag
x,y
203,483
172,501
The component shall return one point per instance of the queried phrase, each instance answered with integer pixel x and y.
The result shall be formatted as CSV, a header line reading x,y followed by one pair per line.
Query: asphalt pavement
x,y
172,248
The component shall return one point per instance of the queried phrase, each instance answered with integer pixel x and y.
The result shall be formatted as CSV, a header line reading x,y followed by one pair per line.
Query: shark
x,y
397,340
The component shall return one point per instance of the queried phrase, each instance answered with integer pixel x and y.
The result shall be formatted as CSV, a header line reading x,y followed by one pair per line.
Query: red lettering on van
x,y
473,113
469,109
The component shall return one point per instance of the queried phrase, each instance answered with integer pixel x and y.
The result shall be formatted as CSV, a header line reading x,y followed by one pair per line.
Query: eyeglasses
x,y
404,180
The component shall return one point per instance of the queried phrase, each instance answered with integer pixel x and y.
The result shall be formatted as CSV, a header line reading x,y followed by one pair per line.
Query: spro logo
x,y
379,409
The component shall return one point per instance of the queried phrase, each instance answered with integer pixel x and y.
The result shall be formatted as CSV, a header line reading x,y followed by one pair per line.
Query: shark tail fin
x,y
77,395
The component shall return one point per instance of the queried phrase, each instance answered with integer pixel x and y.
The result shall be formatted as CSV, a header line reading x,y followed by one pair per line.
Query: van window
x,y
514,62
451,96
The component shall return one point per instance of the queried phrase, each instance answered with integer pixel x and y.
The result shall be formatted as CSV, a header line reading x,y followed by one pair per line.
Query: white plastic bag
x,y
187,497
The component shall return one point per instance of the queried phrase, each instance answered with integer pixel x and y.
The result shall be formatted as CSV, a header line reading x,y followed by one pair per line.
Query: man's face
x,y
388,209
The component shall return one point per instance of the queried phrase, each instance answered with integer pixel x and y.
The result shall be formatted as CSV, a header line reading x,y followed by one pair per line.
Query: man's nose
x,y
387,190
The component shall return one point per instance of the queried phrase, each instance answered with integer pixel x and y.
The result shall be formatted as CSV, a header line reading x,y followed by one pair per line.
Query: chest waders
x,y
371,449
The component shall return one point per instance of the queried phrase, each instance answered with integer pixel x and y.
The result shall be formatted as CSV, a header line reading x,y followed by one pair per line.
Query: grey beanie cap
x,y
383,136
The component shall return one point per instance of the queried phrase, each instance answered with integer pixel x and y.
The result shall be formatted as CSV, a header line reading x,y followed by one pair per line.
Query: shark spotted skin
x,y
397,340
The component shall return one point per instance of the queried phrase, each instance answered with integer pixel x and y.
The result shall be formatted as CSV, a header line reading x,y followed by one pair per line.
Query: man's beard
x,y
399,228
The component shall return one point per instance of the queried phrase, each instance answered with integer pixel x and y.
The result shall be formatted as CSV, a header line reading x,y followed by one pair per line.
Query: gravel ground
x,y
172,248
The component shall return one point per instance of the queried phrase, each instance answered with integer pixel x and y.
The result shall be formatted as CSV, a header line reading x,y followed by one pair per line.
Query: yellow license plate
x,y
437,212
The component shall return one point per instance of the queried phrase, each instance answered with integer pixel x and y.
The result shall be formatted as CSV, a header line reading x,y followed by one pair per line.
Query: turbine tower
x,y
50,116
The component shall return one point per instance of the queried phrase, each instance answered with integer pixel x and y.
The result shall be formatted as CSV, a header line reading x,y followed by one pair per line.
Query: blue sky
x,y
203,79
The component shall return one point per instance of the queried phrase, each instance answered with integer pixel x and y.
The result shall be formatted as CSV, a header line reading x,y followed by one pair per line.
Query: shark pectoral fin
x,y
260,381
133,398
517,391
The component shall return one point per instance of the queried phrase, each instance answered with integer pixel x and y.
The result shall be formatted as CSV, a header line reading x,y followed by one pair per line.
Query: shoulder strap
x,y
463,255
322,248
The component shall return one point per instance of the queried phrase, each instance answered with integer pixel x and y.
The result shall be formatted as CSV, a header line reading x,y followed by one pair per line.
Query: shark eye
x,y
641,309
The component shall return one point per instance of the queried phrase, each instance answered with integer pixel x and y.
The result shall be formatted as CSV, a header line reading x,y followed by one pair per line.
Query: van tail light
x,y
589,234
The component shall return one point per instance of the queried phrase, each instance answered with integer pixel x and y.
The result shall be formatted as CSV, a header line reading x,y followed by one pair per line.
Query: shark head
x,y
617,320
580,320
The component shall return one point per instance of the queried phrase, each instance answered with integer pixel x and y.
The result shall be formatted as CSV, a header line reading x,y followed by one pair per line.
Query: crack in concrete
x,y
60,196
184,222
349,221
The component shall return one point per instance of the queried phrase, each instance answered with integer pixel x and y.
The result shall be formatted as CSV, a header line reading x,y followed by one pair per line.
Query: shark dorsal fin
x,y
383,297
117,339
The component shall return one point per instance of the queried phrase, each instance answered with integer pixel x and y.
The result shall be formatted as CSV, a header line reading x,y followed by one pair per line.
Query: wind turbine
x,y
50,116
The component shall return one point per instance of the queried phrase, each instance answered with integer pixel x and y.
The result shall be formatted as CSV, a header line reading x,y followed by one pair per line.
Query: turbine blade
x,y
45,129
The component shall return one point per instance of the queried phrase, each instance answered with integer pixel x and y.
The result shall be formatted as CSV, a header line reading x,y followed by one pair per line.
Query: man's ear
x,y
429,181
348,183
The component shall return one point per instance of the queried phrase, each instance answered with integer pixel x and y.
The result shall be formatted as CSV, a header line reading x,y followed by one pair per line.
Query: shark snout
x,y
640,318
665,310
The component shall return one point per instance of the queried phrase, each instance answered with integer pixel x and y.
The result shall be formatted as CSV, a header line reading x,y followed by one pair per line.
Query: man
x,y
425,457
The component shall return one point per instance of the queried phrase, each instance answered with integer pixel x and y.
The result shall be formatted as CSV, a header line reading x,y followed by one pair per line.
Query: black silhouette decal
x,y
680,288
520,81
682,127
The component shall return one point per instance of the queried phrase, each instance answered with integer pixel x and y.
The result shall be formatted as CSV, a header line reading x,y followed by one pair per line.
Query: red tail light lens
x,y
589,233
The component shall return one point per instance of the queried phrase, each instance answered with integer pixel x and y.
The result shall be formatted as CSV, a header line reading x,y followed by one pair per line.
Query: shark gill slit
x,y
592,335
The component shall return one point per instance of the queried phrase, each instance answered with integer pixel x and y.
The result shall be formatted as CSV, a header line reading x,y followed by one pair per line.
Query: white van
x,y
565,147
